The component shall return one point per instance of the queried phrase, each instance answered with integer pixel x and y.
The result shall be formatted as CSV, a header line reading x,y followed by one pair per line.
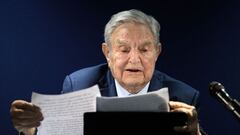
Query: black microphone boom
x,y
218,91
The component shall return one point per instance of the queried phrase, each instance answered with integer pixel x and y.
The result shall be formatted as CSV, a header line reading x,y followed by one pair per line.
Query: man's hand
x,y
25,116
192,125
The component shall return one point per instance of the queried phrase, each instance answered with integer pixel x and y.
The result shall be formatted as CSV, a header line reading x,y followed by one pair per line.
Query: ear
x,y
106,50
159,50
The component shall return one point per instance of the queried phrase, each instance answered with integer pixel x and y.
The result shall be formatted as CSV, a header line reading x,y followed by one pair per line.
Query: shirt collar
x,y
122,92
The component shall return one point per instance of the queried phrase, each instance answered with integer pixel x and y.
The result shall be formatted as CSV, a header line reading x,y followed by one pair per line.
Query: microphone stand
x,y
218,90
232,104
236,108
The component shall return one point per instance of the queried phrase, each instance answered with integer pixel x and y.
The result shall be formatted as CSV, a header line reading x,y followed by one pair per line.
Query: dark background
x,y
43,41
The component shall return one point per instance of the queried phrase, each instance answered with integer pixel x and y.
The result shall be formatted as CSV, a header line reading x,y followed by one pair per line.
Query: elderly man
x,y
131,49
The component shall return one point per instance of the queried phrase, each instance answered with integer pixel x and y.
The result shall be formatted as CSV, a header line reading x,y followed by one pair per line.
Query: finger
x,y
191,113
21,104
182,129
175,104
184,110
193,117
22,114
23,109
189,127
191,123
182,107
25,123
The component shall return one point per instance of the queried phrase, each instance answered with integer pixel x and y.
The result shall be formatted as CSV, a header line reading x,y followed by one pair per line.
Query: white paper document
x,y
156,101
63,113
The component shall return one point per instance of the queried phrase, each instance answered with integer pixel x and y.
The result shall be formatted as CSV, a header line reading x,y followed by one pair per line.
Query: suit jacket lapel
x,y
159,82
155,83
107,85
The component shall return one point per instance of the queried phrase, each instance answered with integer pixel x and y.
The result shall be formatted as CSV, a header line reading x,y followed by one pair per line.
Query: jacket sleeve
x,y
67,85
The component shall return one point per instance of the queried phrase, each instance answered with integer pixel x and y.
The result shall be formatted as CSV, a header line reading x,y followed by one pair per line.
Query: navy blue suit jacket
x,y
101,75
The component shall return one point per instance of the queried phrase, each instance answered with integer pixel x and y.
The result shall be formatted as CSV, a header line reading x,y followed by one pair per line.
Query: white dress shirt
x,y
121,92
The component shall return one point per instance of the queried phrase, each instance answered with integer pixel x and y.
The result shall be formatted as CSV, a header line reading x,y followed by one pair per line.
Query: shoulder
x,y
178,90
84,78
88,72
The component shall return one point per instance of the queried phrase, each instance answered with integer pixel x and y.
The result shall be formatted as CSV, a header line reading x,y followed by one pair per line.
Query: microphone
x,y
218,91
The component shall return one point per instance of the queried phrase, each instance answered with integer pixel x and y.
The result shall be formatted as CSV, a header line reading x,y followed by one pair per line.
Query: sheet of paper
x,y
63,113
156,101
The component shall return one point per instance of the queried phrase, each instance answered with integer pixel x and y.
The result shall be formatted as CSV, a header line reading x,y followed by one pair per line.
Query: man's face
x,y
132,55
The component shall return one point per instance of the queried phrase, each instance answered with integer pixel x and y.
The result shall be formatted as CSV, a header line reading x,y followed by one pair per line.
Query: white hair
x,y
135,16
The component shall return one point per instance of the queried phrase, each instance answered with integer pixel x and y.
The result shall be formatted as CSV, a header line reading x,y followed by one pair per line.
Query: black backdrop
x,y
42,41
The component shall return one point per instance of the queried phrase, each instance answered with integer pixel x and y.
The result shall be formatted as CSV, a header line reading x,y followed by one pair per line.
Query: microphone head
x,y
215,87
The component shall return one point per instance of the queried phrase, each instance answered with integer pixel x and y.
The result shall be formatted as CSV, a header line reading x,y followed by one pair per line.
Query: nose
x,y
134,57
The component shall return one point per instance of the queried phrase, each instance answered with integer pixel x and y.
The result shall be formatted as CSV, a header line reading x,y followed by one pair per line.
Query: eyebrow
x,y
146,43
124,42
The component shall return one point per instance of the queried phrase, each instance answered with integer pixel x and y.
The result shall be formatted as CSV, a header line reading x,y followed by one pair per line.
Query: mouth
x,y
133,70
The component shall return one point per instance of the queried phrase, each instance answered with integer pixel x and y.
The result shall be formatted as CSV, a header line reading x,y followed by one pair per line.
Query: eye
x,y
124,49
143,50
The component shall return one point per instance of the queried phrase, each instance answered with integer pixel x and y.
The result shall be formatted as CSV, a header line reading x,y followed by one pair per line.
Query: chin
x,y
133,83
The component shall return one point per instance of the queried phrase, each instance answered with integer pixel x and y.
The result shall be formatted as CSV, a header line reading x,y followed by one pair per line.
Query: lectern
x,y
133,123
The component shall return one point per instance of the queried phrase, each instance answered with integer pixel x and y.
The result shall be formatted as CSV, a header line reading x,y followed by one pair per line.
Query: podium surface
x,y
133,123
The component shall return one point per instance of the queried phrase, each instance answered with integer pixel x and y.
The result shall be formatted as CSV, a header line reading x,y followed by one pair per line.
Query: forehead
x,y
132,31
143,43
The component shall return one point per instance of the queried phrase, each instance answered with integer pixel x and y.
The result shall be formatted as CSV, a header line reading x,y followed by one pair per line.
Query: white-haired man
x,y
131,48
